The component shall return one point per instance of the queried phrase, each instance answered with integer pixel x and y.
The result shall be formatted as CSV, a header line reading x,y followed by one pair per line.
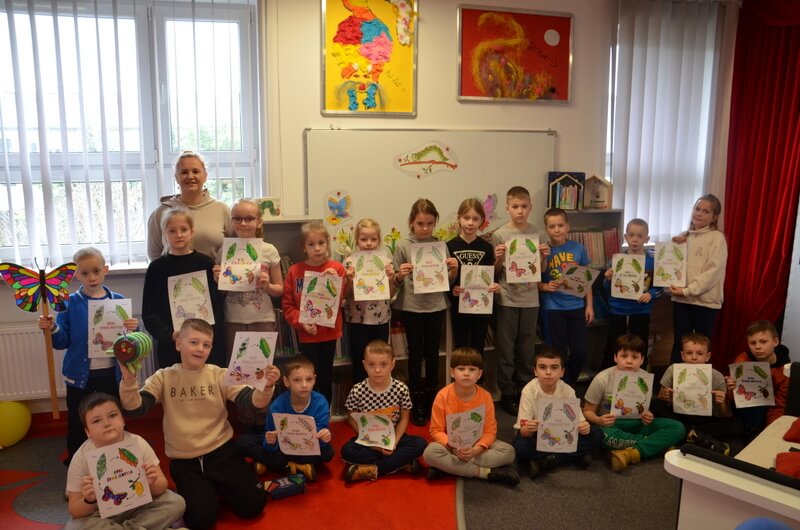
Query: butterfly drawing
x,y
312,311
742,391
471,302
516,268
361,284
105,344
620,405
28,285
109,495
489,204
622,287
238,375
180,312
234,278
424,279
549,438
339,207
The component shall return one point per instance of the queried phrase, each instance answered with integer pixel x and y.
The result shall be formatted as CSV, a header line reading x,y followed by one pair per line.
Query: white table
x,y
715,496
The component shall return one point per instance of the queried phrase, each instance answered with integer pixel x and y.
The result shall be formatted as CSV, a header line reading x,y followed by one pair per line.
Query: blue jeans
x,y
526,447
408,449
688,318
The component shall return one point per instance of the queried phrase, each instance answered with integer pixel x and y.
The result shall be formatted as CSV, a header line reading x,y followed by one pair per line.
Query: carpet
x,y
32,480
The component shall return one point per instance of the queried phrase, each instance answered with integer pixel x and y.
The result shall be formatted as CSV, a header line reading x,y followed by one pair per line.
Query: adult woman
x,y
212,218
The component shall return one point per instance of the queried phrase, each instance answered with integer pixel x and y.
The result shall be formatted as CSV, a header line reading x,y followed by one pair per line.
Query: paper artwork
x,y
297,434
430,269
427,160
119,479
558,426
628,280
320,299
465,428
670,264
476,299
522,259
189,298
240,264
370,281
375,430
253,352
753,387
631,393
105,324
691,389
577,280
338,204
269,207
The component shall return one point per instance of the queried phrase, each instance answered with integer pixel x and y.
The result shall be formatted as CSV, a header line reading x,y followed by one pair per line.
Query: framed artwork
x,y
369,57
514,55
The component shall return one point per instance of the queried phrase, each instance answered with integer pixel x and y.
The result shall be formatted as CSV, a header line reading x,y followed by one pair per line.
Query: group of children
x,y
207,464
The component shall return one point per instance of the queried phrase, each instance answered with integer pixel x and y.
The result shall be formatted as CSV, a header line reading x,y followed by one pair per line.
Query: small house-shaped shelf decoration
x,y
597,193
565,189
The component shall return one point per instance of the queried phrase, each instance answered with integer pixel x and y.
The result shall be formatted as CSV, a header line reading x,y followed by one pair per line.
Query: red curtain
x,y
763,180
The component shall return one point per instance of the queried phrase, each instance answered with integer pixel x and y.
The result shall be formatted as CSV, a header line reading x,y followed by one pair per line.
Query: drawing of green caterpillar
x,y
98,315
636,266
620,262
468,278
760,371
486,278
364,421
377,262
432,149
420,252
622,384
101,466
531,246
359,263
311,285
330,288
121,313
512,248
661,252
739,371
474,416
263,345
198,285
251,251
547,411
177,288
642,384
306,424
702,377
682,376
456,424
437,254
677,252
382,419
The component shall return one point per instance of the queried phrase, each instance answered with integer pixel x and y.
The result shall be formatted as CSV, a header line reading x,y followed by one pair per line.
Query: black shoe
x,y
435,473
548,463
585,460
704,440
510,405
534,469
504,475
418,416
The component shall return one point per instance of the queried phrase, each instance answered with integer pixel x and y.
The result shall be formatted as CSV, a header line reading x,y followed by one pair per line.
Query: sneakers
x,y
435,473
259,468
356,472
308,470
504,475
708,442
621,458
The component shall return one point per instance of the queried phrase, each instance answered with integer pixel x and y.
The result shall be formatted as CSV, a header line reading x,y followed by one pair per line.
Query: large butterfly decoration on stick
x,y
29,288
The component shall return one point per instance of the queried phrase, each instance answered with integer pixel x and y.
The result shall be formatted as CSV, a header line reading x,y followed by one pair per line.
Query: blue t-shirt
x,y
560,259
625,306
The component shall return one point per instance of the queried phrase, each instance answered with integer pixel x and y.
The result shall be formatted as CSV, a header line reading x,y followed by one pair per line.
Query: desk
x,y
715,496
769,443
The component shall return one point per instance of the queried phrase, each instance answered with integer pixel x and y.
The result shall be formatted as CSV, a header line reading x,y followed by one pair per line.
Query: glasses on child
x,y
248,219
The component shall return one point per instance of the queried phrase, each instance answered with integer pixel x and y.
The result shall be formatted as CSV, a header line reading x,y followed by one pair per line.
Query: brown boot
x,y
308,470
621,458
259,468
356,472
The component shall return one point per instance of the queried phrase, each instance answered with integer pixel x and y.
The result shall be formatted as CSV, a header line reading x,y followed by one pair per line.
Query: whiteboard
x,y
366,165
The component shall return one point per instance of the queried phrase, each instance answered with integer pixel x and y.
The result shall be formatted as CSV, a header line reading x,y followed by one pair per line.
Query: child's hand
x,y
730,382
609,273
452,264
544,248
127,374
46,322
151,470
263,280
350,271
607,420
324,435
130,324
272,375
457,290
389,270
87,489
665,394
465,455
680,239
583,427
271,437
405,270
216,269
551,286
645,298
311,329
331,271
500,252
528,427
675,290
719,396
647,417
589,313
493,287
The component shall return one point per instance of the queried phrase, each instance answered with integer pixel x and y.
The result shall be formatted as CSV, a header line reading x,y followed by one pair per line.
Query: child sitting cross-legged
x,y
488,458
301,398
630,440
102,419
549,369
380,393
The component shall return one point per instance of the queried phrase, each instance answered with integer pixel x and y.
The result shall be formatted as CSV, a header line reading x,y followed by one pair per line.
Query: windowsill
x,y
123,269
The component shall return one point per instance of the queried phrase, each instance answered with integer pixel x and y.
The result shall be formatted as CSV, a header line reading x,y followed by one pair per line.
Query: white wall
x,y
294,59
791,332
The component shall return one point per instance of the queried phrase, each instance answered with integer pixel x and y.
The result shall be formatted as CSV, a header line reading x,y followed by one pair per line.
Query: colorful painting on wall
x,y
369,57
514,55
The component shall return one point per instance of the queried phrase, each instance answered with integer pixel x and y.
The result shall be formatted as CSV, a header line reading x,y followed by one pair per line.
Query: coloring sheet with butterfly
x,y
370,281
632,392
338,204
189,298
320,299
753,386
522,259
465,428
430,269
577,280
670,264
628,280
375,430
558,426
297,434
119,479
490,211
476,298
240,264
691,389
253,352
27,285
105,324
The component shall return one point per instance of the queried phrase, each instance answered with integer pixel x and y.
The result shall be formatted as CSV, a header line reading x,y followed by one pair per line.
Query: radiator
x,y
23,364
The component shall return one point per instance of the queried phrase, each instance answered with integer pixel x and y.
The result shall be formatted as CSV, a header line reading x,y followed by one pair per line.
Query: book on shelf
x,y
565,189
600,245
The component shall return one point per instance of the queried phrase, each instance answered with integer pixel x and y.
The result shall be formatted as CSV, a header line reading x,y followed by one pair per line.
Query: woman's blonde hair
x,y
189,154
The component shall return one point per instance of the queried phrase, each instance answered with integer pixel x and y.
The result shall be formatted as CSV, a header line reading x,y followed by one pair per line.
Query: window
x,y
666,84
96,101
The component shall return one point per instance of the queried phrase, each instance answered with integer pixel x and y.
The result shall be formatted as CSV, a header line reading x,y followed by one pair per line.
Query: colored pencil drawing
x,y
320,299
297,434
106,324
692,389
430,270
632,392
558,427
670,264
427,160
753,384
628,281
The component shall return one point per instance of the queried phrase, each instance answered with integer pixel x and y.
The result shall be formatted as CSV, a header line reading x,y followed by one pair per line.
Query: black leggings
x,y
424,332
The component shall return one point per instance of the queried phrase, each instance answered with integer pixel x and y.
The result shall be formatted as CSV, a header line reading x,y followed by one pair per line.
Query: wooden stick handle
x,y
51,369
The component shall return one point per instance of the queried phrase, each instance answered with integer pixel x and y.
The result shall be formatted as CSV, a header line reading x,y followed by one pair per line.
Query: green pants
x,y
650,440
